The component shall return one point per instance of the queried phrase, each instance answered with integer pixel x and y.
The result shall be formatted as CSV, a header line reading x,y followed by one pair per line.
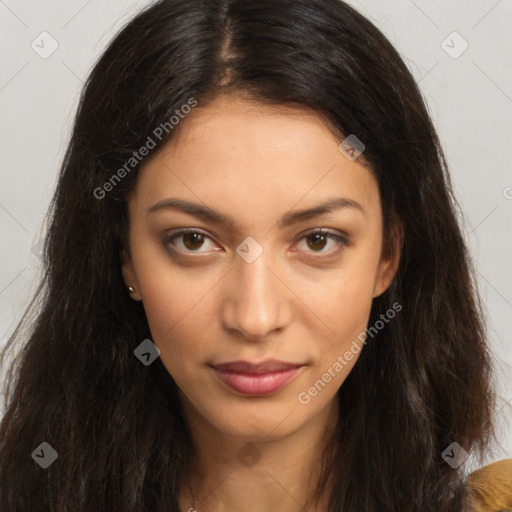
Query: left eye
x,y
193,240
319,239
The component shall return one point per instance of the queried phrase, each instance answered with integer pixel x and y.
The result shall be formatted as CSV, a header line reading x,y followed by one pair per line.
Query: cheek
x,y
346,308
175,309
347,304
348,318
178,326
173,300
169,292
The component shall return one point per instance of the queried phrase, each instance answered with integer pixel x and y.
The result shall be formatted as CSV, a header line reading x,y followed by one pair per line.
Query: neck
x,y
272,474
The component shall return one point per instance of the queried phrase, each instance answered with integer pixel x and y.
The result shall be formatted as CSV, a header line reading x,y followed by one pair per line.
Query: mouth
x,y
256,379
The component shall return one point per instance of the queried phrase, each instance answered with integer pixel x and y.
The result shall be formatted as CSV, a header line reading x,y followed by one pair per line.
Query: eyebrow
x,y
288,219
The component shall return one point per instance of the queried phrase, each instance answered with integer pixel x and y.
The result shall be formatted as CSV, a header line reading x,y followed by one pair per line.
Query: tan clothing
x,y
491,487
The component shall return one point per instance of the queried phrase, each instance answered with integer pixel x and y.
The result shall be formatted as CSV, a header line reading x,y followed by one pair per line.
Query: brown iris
x,y
318,240
193,241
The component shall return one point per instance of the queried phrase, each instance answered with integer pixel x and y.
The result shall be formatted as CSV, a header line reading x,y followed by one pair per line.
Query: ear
x,y
390,259
129,276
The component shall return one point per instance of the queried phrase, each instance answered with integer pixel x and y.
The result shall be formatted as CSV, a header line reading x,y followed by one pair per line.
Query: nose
x,y
257,302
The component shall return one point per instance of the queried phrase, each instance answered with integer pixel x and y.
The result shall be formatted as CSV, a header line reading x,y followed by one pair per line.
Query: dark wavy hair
x,y
424,382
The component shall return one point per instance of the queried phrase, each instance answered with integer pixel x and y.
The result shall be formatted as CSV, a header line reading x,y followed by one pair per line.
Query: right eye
x,y
188,240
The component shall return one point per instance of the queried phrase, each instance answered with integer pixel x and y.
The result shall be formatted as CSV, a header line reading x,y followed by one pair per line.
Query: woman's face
x,y
252,281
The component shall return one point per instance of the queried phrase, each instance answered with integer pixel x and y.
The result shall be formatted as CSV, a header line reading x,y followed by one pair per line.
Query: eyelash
x,y
341,240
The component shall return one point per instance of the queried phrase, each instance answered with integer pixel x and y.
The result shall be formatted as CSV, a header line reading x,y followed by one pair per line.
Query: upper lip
x,y
270,365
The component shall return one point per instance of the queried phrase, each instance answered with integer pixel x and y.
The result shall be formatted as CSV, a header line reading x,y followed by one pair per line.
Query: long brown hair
x,y
422,383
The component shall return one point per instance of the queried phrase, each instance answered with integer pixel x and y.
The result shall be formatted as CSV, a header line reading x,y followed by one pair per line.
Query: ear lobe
x,y
390,259
129,276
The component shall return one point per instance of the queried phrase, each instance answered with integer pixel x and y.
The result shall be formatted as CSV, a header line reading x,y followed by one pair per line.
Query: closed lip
x,y
270,365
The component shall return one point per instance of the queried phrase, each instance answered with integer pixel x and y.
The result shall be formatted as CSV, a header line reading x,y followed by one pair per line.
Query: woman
x,y
257,295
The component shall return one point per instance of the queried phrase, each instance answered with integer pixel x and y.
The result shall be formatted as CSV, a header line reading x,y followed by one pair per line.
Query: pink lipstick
x,y
256,379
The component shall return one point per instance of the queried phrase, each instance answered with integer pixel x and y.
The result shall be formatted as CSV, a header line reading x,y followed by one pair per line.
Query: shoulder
x,y
490,487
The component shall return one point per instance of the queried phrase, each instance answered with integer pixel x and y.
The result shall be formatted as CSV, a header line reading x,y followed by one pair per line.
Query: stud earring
x,y
131,289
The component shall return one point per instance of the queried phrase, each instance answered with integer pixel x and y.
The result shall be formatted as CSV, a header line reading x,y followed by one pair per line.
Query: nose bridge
x,y
257,301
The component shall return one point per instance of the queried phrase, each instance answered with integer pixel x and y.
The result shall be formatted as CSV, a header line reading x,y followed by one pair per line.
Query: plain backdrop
x,y
458,50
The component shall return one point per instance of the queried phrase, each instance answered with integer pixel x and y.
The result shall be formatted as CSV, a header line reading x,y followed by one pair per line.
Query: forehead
x,y
251,159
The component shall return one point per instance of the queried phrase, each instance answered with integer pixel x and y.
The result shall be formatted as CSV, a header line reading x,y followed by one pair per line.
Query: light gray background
x,y
469,97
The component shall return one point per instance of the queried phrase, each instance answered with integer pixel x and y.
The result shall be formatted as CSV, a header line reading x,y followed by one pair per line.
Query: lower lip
x,y
256,384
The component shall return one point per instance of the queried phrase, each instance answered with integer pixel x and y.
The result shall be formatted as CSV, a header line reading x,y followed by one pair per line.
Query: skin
x,y
299,301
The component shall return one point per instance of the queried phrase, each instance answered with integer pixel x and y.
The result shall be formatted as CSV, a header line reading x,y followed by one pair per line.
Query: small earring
x,y
131,289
